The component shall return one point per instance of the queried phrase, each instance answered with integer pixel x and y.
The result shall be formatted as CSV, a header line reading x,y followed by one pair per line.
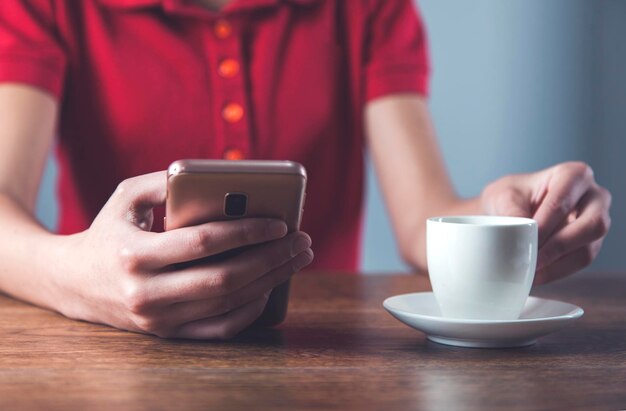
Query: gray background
x,y
518,85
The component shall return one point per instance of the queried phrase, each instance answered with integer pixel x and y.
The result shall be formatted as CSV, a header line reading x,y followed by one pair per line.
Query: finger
x,y
225,326
218,279
195,310
592,223
157,250
568,183
569,264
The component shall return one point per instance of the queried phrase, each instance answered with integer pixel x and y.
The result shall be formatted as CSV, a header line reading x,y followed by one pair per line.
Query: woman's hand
x,y
571,210
119,273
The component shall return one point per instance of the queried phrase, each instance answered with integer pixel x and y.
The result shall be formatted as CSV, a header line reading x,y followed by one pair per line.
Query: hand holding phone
x,y
118,272
217,190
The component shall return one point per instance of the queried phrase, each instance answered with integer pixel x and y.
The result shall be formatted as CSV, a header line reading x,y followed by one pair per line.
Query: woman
x,y
130,85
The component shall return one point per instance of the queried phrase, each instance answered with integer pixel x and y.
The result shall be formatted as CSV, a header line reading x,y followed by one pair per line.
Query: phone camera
x,y
235,204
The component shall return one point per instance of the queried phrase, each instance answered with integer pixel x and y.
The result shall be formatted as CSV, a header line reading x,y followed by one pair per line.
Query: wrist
x,y
53,273
63,278
28,264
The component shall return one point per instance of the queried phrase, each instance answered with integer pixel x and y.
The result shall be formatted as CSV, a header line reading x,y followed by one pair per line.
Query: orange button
x,y
222,29
228,68
232,112
233,154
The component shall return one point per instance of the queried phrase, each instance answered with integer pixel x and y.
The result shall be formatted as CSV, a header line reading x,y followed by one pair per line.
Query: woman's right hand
x,y
119,273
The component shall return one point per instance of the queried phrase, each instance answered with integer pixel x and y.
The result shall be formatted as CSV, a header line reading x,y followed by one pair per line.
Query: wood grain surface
x,y
338,350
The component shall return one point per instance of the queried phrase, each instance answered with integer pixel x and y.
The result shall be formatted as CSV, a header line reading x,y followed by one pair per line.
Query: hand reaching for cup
x,y
119,273
571,210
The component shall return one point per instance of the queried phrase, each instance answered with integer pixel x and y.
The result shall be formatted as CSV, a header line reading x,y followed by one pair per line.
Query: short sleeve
x,y
396,50
30,51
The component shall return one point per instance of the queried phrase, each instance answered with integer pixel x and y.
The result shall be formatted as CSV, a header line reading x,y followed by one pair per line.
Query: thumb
x,y
511,203
135,198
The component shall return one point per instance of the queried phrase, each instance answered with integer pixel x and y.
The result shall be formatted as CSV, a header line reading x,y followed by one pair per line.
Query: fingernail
x,y
277,229
302,260
301,243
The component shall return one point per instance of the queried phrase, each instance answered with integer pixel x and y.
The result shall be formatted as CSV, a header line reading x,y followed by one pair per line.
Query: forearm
x,y
411,172
29,254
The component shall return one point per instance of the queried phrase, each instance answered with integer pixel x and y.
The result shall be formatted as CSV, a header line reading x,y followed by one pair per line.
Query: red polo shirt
x,y
145,82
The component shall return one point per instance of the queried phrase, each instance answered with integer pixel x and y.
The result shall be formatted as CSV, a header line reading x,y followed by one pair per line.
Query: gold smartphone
x,y
200,191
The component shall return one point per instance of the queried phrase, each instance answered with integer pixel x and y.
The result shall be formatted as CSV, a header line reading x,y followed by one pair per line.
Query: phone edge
x,y
191,166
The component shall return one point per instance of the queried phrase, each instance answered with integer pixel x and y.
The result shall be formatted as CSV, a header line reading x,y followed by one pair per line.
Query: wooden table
x,y
339,349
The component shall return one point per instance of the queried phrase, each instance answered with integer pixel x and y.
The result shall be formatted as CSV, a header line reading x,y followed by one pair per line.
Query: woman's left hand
x,y
571,210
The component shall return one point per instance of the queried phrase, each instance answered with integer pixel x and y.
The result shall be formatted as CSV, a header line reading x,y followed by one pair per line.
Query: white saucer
x,y
539,317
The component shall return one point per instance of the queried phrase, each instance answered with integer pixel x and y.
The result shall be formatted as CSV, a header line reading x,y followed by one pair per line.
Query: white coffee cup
x,y
481,267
